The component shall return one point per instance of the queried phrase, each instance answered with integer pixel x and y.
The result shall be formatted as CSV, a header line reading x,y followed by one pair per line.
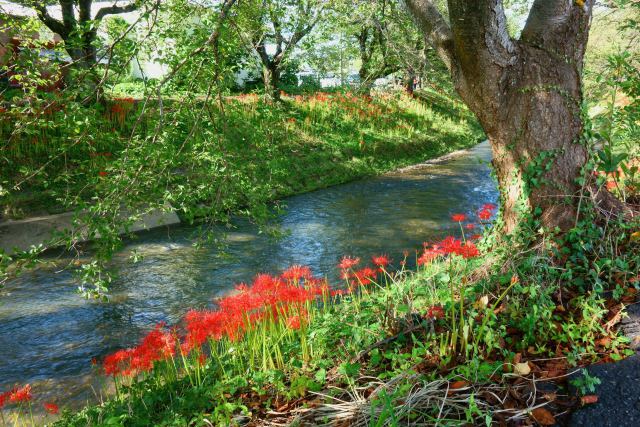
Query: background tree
x,y
527,94
78,28
273,29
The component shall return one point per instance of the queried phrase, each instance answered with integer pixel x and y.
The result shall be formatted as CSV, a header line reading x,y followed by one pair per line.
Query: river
x,y
49,334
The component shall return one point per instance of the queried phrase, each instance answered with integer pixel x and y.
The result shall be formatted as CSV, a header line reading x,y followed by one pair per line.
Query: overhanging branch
x,y
435,28
53,24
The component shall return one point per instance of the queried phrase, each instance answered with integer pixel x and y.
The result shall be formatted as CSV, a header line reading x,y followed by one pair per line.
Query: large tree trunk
x,y
527,95
534,125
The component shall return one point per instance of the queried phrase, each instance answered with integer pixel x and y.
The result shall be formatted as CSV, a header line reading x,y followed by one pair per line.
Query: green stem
x,y
31,415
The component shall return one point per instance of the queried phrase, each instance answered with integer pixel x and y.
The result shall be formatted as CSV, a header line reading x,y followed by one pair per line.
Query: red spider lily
x,y
381,261
435,312
103,173
293,322
458,217
364,276
489,206
296,272
469,250
202,359
51,408
157,345
475,237
19,395
484,214
470,226
112,364
428,256
451,245
3,398
347,263
339,292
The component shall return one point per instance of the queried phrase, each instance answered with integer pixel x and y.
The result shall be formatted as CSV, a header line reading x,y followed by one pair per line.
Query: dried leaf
x,y
613,320
589,399
482,302
456,385
521,369
543,417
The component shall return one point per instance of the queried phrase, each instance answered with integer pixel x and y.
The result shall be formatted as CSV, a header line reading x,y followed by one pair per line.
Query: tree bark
x,y
527,95
271,77
80,45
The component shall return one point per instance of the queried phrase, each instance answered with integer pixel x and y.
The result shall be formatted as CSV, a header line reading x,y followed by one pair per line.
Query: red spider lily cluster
x,y
365,275
451,245
157,345
279,299
276,300
120,108
268,298
435,312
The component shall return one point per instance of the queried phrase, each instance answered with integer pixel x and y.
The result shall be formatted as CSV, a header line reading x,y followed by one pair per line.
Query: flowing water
x,y
49,334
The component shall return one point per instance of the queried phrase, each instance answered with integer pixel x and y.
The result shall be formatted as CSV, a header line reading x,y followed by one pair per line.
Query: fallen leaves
x,y
457,385
615,315
543,417
589,399
521,369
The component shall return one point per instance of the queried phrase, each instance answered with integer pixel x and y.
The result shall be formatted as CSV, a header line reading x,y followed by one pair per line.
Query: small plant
x,y
586,384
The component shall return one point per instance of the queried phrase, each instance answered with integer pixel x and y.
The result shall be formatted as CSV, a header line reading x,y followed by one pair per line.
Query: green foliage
x,y
586,383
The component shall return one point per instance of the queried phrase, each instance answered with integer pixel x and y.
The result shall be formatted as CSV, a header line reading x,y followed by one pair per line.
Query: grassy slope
x,y
304,144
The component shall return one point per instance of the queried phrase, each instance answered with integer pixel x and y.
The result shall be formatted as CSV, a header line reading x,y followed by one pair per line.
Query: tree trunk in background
x,y
271,77
409,84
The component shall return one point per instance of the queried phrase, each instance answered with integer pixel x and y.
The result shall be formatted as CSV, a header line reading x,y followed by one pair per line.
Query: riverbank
x,y
452,341
264,153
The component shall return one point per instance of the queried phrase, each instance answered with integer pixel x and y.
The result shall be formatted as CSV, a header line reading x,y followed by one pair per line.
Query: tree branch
x,y
115,10
435,28
51,23
480,27
561,27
